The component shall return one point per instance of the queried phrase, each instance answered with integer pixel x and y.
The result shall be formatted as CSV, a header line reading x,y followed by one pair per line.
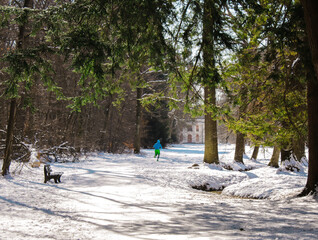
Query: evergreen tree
x,y
267,79
13,87
210,80
202,35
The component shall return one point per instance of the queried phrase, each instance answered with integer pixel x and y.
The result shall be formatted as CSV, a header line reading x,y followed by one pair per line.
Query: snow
x,y
112,196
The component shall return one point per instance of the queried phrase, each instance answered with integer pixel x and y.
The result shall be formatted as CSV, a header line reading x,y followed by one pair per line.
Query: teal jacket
x,y
157,145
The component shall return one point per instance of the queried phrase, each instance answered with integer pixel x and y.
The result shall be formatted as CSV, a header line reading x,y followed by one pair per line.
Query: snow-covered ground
x,y
107,196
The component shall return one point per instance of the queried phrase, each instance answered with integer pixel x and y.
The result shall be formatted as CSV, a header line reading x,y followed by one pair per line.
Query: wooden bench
x,y
48,174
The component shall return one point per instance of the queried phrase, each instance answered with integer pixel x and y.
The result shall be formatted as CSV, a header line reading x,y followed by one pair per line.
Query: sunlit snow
x,y
112,196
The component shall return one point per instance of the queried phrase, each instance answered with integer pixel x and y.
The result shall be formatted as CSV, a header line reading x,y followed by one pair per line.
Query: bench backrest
x,y
47,170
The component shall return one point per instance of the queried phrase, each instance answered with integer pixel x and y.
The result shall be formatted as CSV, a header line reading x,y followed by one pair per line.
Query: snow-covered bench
x,y
48,174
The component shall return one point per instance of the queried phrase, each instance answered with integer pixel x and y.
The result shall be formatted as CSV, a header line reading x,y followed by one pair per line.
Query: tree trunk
x,y
275,158
171,115
239,148
27,123
138,121
285,155
312,101
211,139
13,103
299,148
209,82
255,152
311,19
9,138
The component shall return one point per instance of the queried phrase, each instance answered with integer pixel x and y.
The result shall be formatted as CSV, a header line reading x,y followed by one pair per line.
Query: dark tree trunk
x,y
239,148
27,123
275,158
13,104
209,75
9,138
106,114
285,155
299,149
312,101
138,122
255,152
311,19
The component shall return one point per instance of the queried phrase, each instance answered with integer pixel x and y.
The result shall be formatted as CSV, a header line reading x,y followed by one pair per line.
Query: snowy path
x,y
134,197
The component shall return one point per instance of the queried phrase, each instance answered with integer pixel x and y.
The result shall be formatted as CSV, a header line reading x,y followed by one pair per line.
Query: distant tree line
x,y
55,89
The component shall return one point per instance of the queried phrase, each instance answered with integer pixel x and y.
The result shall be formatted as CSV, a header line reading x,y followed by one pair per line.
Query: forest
x,y
114,76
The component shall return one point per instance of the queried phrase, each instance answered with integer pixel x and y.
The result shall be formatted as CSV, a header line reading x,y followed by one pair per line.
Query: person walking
x,y
157,148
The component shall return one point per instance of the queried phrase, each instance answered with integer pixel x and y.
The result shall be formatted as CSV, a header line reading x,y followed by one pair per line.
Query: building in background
x,y
193,131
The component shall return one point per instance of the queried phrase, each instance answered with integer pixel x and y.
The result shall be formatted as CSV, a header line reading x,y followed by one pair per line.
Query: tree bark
x,y
9,138
299,148
138,121
285,155
209,81
211,139
311,19
13,104
255,152
275,158
239,148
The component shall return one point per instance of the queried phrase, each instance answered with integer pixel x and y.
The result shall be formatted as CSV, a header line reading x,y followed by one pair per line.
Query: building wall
x,y
193,132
